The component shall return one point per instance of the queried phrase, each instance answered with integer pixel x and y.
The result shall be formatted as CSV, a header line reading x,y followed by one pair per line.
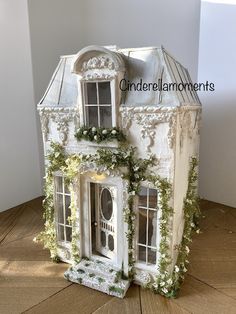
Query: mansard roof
x,y
149,64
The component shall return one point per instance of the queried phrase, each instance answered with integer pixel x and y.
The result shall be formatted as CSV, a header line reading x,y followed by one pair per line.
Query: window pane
x,y
143,197
105,117
92,116
59,205
61,233
152,198
66,187
91,93
152,223
106,204
67,209
142,253
142,225
111,242
59,184
151,256
103,238
104,91
68,234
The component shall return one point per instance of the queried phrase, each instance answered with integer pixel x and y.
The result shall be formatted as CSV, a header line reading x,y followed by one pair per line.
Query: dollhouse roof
x,y
150,65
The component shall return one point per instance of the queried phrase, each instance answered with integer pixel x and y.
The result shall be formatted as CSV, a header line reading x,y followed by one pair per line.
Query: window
x,y
63,212
147,226
98,104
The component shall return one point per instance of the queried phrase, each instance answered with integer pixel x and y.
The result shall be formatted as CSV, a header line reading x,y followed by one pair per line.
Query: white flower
x,y
192,225
104,131
164,290
85,132
136,168
94,129
162,283
163,255
132,193
184,269
176,268
113,132
155,285
169,281
95,137
198,231
187,249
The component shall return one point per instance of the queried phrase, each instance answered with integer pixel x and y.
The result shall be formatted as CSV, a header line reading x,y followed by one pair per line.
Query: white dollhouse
x,y
111,99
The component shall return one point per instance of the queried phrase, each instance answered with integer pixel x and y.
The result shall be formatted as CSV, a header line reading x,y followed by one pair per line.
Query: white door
x,y
105,201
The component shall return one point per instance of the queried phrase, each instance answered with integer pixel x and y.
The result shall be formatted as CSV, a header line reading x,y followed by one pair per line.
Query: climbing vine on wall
x,y
56,160
168,282
136,172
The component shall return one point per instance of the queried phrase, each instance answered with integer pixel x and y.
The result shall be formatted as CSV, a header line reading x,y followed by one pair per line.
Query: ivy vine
x,y
168,283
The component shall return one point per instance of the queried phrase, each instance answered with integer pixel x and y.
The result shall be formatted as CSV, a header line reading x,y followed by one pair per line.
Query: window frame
x,y
63,243
144,264
112,105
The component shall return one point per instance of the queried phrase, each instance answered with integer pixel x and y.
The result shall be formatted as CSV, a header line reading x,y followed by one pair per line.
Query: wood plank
x,y
130,304
32,274
24,250
8,220
28,222
15,300
219,274
154,303
197,297
74,299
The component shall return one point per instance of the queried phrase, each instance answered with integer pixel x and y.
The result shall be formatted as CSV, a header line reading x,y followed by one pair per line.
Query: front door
x,y
103,206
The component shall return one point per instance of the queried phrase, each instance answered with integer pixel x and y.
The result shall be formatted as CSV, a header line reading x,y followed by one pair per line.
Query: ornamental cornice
x,y
148,118
62,117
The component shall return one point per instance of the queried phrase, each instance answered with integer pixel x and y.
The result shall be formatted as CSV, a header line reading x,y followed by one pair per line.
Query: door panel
x,y
105,212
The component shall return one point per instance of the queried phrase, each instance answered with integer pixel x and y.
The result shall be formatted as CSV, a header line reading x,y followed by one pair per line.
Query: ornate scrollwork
x,y
99,62
62,117
148,118
100,67
189,122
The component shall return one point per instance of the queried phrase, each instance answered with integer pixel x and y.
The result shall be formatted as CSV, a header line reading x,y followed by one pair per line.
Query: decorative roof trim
x,y
114,60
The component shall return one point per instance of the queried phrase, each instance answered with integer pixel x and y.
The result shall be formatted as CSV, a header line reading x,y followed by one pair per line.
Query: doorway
x,y
103,209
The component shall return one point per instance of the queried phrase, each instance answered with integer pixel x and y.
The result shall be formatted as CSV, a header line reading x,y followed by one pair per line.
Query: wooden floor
x,y
31,283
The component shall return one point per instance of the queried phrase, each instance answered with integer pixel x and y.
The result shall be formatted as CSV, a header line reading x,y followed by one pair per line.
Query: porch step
x,y
98,275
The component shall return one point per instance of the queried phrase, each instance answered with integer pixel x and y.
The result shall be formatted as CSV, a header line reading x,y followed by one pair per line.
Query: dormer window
x,y
98,107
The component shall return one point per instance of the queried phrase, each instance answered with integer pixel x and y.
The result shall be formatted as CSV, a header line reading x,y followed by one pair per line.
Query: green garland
x,y
168,284
191,218
56,160
99,135
136,172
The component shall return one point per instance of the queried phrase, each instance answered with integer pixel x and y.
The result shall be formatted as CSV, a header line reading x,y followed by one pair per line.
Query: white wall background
x,y
19,153
138,23
217,63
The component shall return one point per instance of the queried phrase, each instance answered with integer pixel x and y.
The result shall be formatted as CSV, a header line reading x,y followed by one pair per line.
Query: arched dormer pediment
x,y
94,62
